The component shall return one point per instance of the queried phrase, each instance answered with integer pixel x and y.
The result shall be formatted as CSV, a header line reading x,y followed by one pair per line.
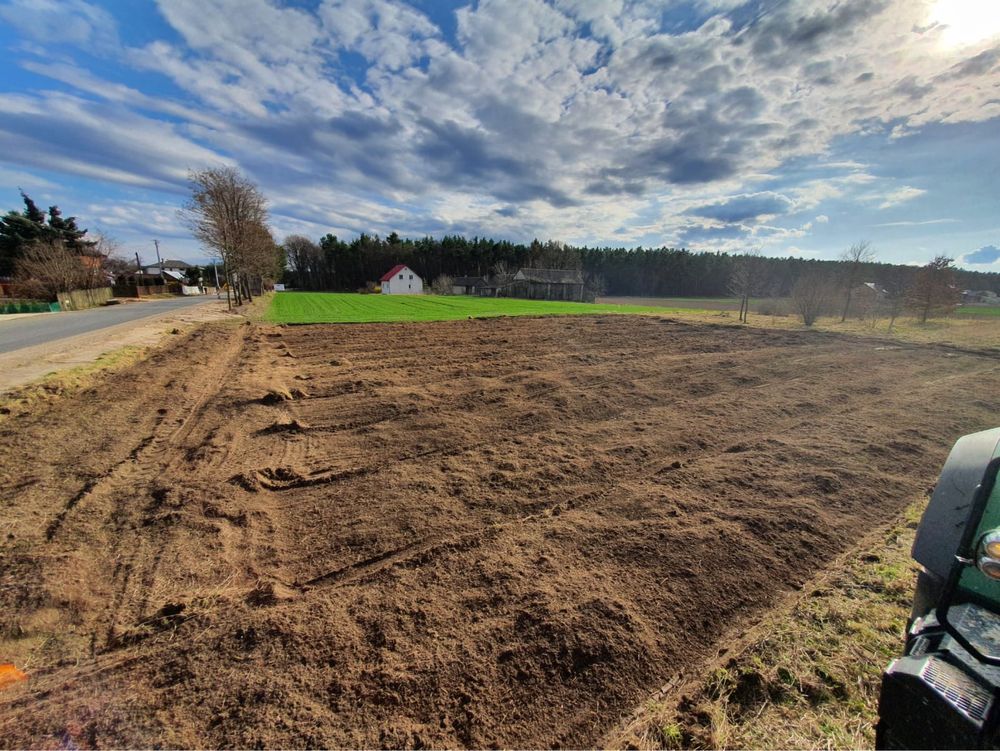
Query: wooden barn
x,y
467,285
547,284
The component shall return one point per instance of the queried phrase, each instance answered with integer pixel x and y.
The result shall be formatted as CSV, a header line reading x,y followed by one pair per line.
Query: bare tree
x,y
855,257
442,285
895,285
746,279
259,260
53,267
594,286
110,260
503,275
933,291
304,261
811,295
226,213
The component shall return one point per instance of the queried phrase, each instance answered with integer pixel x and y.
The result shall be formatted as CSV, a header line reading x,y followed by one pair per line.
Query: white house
x,y
401,280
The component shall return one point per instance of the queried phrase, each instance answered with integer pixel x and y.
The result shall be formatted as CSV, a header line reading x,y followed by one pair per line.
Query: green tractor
x,y
944,692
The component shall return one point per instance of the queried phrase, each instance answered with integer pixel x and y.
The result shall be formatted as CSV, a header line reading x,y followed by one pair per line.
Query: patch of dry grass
x,y
256,310
957,331
66,382
809,676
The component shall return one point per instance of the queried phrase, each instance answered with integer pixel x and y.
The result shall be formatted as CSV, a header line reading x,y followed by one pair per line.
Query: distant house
x,y
175,271
467,285
401,280
548,284
981,296
492,288
868,292
865,297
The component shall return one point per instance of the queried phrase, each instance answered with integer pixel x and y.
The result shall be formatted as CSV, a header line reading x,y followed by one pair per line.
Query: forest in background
x,y
333,264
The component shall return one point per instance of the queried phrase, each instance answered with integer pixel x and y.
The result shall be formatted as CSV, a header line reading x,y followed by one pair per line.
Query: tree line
x,y
45,253
339,265
228,214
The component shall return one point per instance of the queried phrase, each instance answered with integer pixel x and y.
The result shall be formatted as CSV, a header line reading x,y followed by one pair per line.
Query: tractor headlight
x,y
988,556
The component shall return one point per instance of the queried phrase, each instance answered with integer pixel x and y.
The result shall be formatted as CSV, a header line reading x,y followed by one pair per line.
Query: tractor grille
x,y
957,687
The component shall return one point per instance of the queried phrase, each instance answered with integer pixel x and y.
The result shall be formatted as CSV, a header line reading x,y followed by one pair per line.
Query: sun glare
x,y
966,21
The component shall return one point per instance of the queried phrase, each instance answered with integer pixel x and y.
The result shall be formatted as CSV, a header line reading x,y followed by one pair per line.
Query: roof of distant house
x,y
170,264
550,276
393,271
468,281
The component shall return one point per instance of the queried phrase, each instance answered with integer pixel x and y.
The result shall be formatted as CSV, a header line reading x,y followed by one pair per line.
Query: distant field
x,y
335,307
984,311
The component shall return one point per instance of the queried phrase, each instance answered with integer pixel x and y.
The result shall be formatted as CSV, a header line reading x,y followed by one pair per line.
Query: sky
x,y
795,127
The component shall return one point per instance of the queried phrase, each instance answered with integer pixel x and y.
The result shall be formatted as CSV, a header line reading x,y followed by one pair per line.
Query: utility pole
x,y
159,262
138,273
218,290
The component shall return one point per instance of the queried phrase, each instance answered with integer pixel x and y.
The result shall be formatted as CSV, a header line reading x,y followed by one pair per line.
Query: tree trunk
x,y
229,288
847,305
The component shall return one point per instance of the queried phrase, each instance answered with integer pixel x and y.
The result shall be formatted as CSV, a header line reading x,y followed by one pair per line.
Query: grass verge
x,y
809,675
957,331
65,382
336,307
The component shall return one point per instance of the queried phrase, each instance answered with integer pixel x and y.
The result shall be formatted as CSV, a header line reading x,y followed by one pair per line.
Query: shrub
x,y
811,296
442,285
772,307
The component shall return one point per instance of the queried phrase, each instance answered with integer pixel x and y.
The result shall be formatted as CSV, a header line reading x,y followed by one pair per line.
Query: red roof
x,y
392,272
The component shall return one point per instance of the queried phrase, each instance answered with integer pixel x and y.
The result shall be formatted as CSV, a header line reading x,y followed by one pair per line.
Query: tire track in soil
x,y
137,557
424,549
512,629
420,548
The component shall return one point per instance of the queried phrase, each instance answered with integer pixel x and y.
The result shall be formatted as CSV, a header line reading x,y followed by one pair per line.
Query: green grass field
x,y
981,311
336,307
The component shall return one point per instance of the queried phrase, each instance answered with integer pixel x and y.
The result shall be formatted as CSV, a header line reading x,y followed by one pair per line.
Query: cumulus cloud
x,y
986,254
745,207
703,234
71,22
582,119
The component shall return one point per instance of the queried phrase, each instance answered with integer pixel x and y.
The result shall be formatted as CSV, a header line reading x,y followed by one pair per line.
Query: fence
x,y
79,299
18,305
130,289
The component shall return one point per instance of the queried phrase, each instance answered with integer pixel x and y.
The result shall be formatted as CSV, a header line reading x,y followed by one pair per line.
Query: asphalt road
x,y
18,333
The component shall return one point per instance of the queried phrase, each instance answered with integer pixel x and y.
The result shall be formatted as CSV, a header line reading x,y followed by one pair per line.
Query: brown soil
x,y
476,533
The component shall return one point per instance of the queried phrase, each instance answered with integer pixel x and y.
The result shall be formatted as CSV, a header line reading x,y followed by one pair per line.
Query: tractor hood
x,y
942,525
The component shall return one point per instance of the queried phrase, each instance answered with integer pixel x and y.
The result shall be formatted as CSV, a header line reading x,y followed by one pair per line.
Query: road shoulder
x,y
31,364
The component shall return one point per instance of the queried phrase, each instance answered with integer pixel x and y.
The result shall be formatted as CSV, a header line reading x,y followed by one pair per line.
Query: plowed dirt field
x,y
472,533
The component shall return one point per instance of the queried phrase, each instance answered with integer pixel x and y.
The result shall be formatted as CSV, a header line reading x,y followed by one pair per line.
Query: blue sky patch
x,y
797,127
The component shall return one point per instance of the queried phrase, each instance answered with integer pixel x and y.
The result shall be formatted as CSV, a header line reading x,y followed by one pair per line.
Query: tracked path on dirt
x,y
499,532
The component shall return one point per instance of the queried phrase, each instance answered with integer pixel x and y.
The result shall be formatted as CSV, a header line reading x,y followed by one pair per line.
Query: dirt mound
x,y
503,532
